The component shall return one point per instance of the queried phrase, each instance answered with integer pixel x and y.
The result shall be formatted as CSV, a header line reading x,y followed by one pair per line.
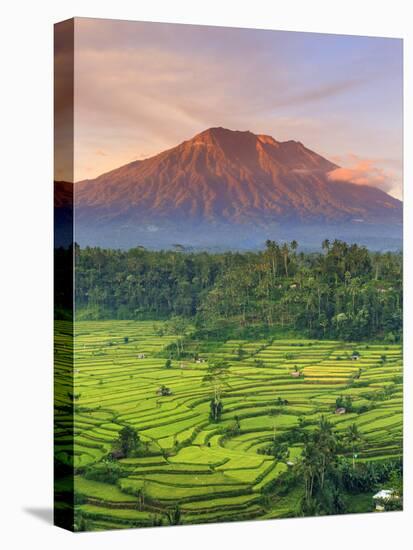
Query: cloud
x,y
145,87
364,172
152,99
319,93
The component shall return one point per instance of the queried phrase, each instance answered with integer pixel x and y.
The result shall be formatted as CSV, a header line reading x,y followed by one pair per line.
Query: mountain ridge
x,y
231,176
233,189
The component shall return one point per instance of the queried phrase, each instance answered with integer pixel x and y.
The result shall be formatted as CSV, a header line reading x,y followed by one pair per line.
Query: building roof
x,y
384,494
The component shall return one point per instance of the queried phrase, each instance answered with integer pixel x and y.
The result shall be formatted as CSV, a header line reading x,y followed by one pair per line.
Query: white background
x,y
26,271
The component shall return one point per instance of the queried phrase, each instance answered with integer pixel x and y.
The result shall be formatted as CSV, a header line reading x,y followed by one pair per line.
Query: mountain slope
x,y
225,187
228,176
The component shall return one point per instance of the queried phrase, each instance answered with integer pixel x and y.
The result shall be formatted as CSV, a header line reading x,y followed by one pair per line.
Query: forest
x,y
344,291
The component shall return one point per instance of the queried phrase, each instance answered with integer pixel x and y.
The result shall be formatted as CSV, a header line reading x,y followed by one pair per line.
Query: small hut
x,y
340,410
296,374
383,496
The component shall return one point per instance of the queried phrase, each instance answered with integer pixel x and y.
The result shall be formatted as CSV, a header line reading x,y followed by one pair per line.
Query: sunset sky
x,y
141,88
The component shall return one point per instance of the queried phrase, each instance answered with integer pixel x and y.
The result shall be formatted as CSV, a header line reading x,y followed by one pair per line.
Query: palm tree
x,y
353,438
294,245
285,252
272,252
309,467
326,444
325,245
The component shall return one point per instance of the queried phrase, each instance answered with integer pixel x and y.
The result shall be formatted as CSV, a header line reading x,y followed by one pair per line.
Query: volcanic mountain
x,y
233,180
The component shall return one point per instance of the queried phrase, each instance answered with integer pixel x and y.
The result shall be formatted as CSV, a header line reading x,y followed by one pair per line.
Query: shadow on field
x,y
44,514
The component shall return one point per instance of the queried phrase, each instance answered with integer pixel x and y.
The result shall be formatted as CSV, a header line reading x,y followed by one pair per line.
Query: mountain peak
x,y
243,146
220,131
221,136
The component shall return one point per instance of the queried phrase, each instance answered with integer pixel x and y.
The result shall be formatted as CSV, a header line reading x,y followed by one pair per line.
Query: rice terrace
x,y
188,468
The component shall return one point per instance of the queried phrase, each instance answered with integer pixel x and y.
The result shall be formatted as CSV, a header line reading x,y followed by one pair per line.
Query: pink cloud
x,y
364,172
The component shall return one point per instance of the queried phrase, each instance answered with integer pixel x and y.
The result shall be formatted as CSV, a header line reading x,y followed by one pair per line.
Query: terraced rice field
x,y
190,461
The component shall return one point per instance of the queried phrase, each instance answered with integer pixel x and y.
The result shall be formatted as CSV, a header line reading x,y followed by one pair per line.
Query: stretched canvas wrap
x,y
228,274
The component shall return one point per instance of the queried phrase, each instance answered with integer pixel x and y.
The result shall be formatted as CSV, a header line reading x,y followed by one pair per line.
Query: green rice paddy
x,y
190,461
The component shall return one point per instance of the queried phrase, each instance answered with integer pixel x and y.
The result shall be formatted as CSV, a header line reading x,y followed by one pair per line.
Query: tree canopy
x,y
344,291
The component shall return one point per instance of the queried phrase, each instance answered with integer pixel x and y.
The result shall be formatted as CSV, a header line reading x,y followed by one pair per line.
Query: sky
x,y
141,88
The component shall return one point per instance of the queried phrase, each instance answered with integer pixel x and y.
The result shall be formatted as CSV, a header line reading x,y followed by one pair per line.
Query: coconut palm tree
x,y
327,444
309,465
353,437
285,251
325,245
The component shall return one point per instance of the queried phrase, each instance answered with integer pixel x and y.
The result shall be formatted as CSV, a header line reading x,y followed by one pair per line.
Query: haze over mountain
x,y
232,189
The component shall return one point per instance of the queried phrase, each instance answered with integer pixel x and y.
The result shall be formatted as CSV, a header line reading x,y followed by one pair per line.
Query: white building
x,y
381,497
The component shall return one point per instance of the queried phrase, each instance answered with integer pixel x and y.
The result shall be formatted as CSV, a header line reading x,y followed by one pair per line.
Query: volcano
x,y
223,185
